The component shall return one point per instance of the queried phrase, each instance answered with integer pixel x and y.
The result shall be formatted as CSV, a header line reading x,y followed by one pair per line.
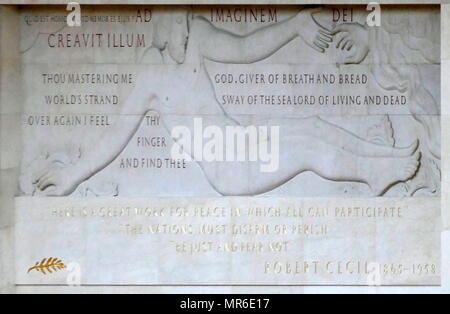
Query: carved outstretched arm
x,y
58,181
223,46
112,143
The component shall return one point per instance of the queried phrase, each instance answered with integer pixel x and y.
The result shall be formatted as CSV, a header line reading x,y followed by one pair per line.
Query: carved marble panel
x,y
272,140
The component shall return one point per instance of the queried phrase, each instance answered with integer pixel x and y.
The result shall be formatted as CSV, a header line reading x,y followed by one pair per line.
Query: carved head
x,y
172,32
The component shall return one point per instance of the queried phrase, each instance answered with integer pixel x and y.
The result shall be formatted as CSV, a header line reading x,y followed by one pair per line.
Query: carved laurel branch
x,y
49,265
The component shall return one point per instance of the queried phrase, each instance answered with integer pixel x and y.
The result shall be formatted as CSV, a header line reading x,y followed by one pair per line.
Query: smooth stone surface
x,y
342,154
231,241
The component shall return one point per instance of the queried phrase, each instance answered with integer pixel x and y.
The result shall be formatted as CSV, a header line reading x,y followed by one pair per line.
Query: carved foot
x,y
389,171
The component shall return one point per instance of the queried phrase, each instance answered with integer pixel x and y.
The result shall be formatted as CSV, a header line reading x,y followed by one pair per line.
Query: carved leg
x,y
339,137
378,172
300,154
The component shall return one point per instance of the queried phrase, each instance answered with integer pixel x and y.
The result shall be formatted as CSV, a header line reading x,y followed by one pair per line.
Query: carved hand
x,y
355,40
316,36
56,181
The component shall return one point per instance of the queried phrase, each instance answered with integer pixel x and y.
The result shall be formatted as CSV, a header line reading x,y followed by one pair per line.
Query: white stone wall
x,y
12,158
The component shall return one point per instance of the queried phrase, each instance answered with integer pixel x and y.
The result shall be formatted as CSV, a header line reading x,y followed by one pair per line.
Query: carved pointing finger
x,y
318,48
350,45
37,176
325,38
344,38
326,33
47,183
347,44
42,181
321,44
40,174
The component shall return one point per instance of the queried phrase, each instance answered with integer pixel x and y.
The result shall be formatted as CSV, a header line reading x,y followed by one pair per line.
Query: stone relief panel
x,y
230,146
357,107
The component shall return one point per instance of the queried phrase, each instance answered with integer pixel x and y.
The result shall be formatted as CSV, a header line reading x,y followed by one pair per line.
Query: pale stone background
x,y
295,57
10,160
